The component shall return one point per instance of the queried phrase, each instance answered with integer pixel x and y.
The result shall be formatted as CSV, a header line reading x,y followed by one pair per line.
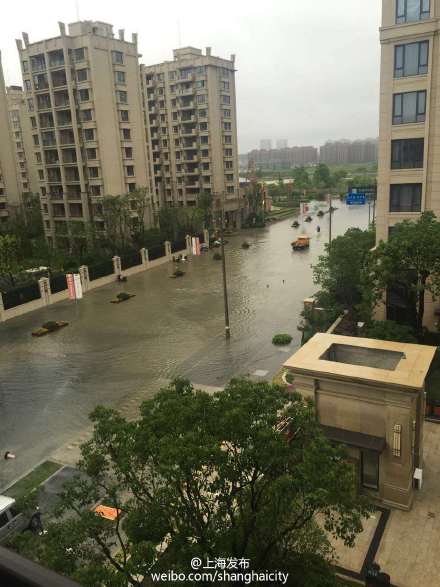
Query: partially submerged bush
x,y
281,339
123,296
50,325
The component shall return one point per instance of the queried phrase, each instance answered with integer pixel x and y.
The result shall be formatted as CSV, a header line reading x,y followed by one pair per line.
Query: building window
x,y
117,57
128,152
226,114
27,85
203,113
126,134
84,95
203,126
229,177
225,99
370,469
228,152
25,66
405,197
121,96
91,153
30,104
81,75
120,77
95,190
200,84
225,86
230,189
40,174
93,171
171,75
131,187
409,107
411,59
227,126
227,139
130,170
407,153
79,54
201,70
86,115
201,99
124,115
411,10
89,134
228,165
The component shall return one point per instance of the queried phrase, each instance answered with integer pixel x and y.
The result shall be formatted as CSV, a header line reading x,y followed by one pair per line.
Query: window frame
x,y
416,206
402,17
401,151
403,47
420,115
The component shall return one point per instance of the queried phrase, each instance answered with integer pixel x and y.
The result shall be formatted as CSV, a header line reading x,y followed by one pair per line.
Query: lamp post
x,y
225,286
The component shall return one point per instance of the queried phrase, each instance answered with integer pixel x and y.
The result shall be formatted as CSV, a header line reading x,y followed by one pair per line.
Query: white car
x,y
11,520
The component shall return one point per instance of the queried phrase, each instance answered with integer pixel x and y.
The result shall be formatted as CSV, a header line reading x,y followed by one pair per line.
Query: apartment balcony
x,y
73,192
192,146
186,106
59,78
61,100
187,92
151,83
152,110
187,119
195,171
188,132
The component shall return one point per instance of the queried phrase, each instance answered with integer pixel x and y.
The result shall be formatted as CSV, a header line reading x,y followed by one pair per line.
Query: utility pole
x,y
330,211
225,287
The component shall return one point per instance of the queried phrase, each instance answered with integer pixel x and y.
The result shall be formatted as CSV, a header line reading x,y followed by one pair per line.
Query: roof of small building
x,y
409,372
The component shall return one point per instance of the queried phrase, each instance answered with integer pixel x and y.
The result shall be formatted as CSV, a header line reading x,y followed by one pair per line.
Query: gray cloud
x,y
307,71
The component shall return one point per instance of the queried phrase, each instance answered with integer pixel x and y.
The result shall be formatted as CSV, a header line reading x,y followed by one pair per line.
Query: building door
x,y
370,469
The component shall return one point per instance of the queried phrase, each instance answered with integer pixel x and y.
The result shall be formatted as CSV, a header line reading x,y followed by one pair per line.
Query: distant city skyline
x,y
279,94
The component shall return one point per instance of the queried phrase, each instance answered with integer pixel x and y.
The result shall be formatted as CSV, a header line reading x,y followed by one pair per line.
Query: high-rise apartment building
x,y
344,151
284,158
409,147
266,144
84,99
190,110
282,143
9,185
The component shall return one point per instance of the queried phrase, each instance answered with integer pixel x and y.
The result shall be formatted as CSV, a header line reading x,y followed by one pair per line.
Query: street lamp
x,y
225,287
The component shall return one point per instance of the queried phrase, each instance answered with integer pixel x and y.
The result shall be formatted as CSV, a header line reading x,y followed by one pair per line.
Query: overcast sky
x,y
308,70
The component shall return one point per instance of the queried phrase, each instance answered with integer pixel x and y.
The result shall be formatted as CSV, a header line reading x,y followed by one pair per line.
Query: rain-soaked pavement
x,y
48,386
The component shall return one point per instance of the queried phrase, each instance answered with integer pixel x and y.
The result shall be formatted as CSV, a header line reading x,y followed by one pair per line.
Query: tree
x,y
204,203
411,257
9,263
389,330
321,176
206,476
342,272
301,177
139,203
116,214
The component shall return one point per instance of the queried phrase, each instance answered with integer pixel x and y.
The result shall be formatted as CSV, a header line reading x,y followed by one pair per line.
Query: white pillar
x,y
168,250
206,236
117,265
84,274
145,258
188,245
45,292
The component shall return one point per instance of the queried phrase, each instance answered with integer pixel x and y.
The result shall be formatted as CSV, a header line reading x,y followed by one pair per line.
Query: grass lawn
x,y
24,486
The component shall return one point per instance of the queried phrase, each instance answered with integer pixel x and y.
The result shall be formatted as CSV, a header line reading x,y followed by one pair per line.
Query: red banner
x,y
71,286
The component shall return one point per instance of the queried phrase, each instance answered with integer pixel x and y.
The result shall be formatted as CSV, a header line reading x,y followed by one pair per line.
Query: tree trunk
x,y
421,304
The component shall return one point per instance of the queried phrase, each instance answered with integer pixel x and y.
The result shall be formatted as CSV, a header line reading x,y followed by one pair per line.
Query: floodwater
x,y
48,386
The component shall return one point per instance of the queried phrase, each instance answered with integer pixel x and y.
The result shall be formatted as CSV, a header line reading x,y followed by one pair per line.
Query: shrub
x,y
389,330
123,296
217,257
178,273
51,325
281,339
245,245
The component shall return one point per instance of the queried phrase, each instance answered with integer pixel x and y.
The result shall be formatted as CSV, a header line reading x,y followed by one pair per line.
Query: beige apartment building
x,y
190,110
369,396
10,195
409,146
84,102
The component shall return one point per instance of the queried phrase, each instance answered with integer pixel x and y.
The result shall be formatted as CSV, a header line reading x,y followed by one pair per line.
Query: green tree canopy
x,y
9,258
206,476
411,257
321,176
302,178
342,272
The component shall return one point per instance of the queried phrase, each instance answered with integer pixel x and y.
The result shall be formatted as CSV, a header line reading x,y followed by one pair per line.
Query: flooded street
x,y
48,386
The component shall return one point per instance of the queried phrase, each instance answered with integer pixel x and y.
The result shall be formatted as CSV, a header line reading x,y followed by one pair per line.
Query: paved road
x,y
48,386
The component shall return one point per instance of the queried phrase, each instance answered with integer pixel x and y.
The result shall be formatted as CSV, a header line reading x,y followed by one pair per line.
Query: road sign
x,y
358,199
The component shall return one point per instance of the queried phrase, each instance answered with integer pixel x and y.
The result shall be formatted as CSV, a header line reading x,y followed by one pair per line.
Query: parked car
x,y
11,520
